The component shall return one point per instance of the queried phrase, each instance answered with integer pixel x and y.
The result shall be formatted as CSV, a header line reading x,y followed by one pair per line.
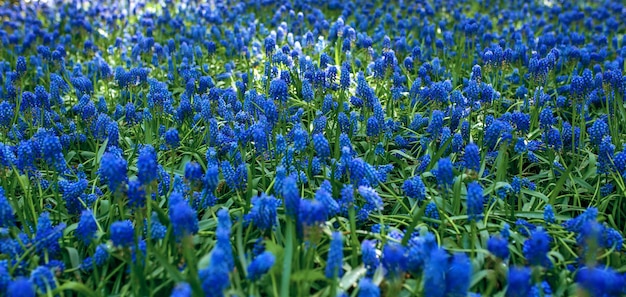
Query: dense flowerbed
x,y
261,148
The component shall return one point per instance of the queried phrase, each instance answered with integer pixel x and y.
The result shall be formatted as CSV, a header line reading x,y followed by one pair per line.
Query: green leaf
x,y
351,277
75,287
171,270
74,257
308,275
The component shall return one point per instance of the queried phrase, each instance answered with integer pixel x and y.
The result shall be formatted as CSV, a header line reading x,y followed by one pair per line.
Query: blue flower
x,y
536,248
260,265
263,212
424,163
312,212
597,131
444,173
5,276
113,170
435,273
157,229
193,172
324,195
475,202
546,119
506,231
369,256
372,199
458,276
600,282
436,123
553,139
182,290
494,133
344,77
334,262
99,258
21,287
229,175
321,146
279,90
48,236
432,212
291,195
123,233
183,218
7,218
136,194
394,259
542,289
368,289
86,229
52,151
300,139
414,188
521,121
373,127
172,139
611,238
307,91
224,225
215,278
519,282
270,45
548,214
605,155
6,114
20,66
499,247
576,224
43,279
524,227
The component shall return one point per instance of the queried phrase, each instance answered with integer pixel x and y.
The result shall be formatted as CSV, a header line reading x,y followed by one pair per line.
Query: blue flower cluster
x,y
218,148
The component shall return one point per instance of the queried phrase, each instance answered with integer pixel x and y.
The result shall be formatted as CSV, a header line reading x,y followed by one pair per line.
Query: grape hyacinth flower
x,y
260,265
458,276
87,227
548,214
113,170
7,218
414,188
597,281
334,262
21,287
471,158
394,260
536,248
475,206
444,173
499,247
369,257
435,273
263,213
47,236
182,290
147,165
172,140
183,218
43,279
122,233
367,288
519,282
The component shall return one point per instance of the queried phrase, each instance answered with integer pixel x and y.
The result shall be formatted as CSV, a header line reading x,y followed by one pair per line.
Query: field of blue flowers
x,y
436,148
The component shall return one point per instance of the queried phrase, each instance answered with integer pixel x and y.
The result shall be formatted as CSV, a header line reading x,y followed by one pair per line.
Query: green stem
x,y
353,237
286,276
